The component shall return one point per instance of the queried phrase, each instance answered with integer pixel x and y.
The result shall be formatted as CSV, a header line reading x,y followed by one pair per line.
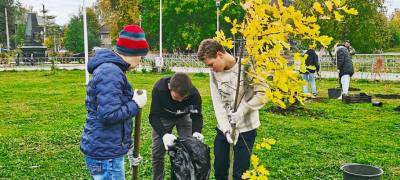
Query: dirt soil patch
x,y
354,89
387,96
397,109
297,110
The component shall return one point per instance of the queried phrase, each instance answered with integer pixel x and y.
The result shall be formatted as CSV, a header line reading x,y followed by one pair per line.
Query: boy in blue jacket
x,y
111,104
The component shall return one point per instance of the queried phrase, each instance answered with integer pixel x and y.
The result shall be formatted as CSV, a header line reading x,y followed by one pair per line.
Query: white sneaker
x,y
340,97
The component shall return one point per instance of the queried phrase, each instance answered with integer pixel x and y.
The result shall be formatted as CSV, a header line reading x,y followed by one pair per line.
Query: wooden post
x,y
7,33
136,140
233,125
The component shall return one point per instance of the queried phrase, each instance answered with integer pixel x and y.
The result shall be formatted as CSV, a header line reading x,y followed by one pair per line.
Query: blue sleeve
x,y
111,109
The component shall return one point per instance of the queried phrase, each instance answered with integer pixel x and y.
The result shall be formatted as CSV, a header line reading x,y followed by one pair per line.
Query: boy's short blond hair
x,y
208,49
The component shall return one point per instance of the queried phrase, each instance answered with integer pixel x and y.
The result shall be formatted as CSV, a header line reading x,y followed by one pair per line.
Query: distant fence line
x,y
374,63
366,63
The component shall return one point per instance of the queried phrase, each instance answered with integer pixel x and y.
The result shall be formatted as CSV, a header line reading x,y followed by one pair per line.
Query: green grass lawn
x,y
42,115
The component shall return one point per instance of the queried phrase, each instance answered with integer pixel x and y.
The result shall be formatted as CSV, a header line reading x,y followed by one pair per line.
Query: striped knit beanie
x,y
132,41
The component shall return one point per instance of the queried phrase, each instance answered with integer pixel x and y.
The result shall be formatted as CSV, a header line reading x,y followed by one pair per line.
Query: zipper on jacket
x,y
122,135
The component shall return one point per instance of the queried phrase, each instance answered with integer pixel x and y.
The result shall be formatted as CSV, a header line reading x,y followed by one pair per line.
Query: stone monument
x,y
33,44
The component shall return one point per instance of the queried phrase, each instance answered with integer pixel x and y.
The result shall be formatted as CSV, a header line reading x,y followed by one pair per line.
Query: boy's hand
x,y
140,98
230,139
235,117
168,140
198,136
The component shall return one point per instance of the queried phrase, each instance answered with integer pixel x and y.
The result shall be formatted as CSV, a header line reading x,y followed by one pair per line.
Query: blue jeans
x,y
109,169
310,78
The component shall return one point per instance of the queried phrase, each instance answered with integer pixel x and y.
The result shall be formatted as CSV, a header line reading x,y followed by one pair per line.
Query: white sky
x,y
64,9
392,4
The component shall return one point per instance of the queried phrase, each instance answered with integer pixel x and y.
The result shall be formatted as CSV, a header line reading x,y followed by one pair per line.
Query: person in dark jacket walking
x,y
175,102
111,104
345,68
309,76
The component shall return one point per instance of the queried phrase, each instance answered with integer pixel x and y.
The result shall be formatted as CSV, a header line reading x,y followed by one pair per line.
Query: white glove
x,y
132,160
168,140
140,99
235,117
198,136
228,135
238,116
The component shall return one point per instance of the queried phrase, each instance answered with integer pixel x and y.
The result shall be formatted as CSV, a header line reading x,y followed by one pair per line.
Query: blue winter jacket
x,y
109,106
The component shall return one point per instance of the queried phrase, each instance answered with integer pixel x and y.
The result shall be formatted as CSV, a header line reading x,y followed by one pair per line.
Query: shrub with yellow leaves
x,y
267,29
257,170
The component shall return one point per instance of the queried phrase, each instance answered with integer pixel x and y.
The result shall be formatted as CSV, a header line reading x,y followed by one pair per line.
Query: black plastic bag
x,y
190,160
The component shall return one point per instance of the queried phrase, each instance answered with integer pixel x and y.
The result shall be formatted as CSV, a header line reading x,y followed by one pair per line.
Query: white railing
x,y
366,66
373,63
39,61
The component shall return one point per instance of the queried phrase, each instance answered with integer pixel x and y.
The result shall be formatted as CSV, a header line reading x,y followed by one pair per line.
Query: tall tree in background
x,y
394,25
150,22
11,9
53,37
366,31
73,36
19,36
93,28
118,13
19,16
185,22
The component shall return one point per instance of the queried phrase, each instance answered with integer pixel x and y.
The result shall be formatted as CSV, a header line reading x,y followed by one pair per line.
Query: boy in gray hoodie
x,y
223,84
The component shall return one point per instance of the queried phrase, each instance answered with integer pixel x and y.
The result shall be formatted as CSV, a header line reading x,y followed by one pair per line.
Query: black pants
x,y
184,128
242,154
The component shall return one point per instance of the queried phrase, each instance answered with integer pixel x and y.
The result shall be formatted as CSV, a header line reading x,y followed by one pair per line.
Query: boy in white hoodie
x,y
223,85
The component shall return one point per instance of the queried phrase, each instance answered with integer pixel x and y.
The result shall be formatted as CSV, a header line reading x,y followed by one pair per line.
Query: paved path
x,y
324,74
43,67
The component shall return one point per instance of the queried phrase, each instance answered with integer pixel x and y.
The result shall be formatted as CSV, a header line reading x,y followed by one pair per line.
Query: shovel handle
x,y
136,140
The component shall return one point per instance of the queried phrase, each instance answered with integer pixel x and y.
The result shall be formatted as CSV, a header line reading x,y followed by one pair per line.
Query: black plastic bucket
x,y
377,104
361,172
334,93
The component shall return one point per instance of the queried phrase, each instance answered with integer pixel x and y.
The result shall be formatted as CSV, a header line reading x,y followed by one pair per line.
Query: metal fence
x,y
366,66
373,63
40,61
176,60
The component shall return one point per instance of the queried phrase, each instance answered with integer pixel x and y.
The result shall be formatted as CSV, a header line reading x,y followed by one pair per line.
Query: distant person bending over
x,y
345,68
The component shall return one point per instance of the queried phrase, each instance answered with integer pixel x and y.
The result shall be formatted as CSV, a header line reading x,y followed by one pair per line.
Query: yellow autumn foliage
x,y
258,170
267,29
